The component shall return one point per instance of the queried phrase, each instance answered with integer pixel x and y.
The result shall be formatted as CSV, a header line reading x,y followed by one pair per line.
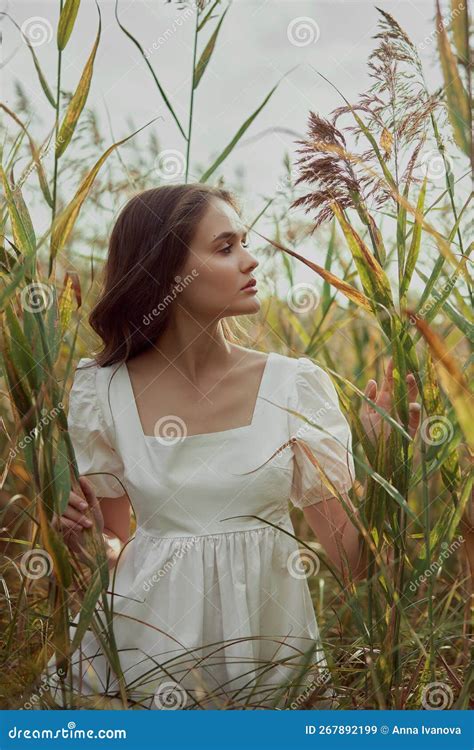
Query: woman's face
x,y
219,267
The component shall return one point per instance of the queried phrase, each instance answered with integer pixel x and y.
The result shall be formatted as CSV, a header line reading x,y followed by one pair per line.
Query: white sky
x,y
253,52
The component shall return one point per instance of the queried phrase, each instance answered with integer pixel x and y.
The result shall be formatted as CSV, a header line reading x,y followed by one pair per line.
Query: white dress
x,y
211,599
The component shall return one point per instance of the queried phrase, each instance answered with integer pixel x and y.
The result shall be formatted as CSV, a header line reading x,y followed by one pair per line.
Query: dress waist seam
x,y
145,532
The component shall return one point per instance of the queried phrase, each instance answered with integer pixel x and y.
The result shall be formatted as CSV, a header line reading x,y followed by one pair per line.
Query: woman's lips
x,y
252,283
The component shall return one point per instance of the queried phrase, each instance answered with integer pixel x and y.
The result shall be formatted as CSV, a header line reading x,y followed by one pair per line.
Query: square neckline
x,y
182,438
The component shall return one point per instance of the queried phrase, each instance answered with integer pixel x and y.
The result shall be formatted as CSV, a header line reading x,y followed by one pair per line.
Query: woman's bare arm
x,y
116,531
110,515
334,529
328,518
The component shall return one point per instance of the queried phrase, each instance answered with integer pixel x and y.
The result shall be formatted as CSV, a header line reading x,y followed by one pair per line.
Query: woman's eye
x,y
229,247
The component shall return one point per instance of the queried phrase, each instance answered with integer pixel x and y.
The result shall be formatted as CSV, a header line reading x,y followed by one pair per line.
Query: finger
x,y
387,384
93,501
76,516
412,387
414,414
69,527
77,501
88,490
370,392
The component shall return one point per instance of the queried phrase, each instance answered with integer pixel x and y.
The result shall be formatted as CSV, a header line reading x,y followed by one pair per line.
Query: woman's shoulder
x,y
301,367
255,355
91,364
88,396
88,370
91,381
305,380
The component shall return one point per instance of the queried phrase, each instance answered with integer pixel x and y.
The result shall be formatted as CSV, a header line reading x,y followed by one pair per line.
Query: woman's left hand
x,y
383,397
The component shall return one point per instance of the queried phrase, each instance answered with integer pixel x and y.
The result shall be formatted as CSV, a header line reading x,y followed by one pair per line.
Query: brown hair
x,y
148,247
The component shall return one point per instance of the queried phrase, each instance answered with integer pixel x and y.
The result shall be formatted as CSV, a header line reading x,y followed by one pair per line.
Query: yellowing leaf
x,y
456,96
77,103
65,306
22,226
349,291
66,22
386,142
452,379
371,273
64,223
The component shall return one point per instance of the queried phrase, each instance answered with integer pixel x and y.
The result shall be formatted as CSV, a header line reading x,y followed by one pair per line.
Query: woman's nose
x,y
251,262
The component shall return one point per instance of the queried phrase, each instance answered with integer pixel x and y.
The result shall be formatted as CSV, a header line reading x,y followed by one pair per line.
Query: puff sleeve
x,y
90,434
314,397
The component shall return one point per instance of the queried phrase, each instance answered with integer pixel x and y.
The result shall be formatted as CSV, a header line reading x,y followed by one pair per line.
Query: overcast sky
x,y
260,41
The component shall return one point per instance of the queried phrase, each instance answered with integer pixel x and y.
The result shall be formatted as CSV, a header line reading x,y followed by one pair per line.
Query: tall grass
x,y
401,639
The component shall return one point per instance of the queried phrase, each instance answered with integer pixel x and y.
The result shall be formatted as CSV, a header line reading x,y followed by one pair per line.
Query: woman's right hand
x,y
80,513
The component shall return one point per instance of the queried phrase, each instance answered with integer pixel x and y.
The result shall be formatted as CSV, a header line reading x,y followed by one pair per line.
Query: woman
x,y
203,437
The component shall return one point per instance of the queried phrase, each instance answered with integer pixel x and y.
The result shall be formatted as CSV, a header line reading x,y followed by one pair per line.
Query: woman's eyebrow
x,y
228,235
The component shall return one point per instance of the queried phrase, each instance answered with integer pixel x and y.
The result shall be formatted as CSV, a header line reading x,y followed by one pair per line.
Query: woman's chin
x,y
247,306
